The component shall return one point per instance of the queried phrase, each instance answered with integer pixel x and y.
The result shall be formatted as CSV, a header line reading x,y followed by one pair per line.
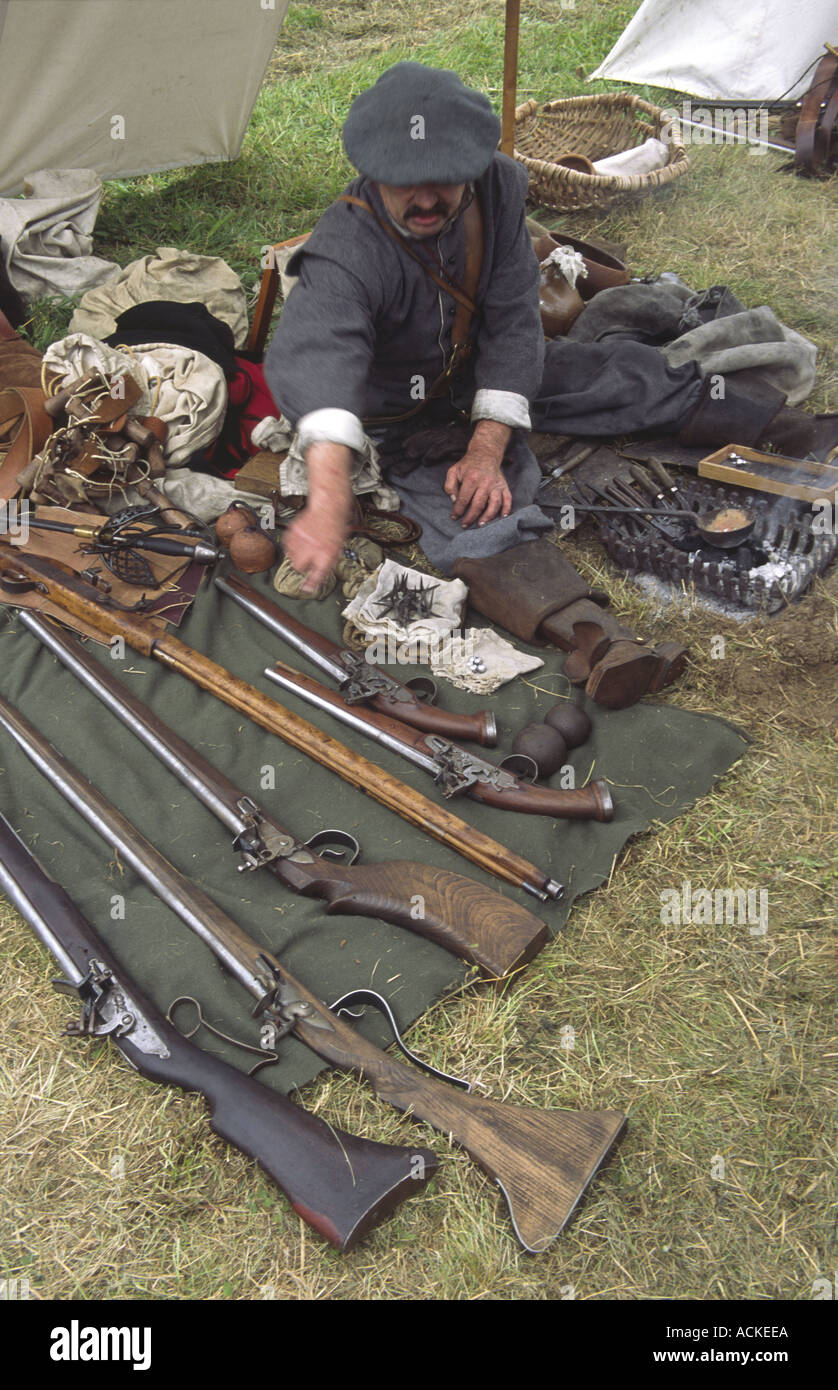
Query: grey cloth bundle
x,y
47,236
711,328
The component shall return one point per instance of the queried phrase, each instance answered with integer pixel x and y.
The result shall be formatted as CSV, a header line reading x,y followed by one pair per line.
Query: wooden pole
x,y
510,76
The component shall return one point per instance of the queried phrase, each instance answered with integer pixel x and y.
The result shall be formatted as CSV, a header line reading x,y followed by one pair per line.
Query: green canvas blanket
x,y
657,759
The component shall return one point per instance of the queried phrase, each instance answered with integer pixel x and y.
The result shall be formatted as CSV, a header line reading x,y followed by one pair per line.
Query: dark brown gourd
x,y
545,746
571,722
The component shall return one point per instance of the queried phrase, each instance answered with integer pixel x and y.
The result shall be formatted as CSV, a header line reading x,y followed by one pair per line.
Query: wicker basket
x,y
594,126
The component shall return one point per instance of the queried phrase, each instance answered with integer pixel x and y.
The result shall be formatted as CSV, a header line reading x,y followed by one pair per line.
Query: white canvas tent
x,y
128,86
753,50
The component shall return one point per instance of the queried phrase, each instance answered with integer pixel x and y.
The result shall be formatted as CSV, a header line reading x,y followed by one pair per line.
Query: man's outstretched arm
x,y
315,539
317,367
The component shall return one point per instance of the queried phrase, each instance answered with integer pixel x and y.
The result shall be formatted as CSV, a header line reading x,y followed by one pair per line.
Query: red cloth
x,y
249,394
248,401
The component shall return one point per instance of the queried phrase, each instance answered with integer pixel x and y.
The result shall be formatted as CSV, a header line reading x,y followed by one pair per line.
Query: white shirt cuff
x,y
332,426
507,407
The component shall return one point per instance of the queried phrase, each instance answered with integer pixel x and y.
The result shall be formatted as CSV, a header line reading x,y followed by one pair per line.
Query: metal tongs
x,y
708,526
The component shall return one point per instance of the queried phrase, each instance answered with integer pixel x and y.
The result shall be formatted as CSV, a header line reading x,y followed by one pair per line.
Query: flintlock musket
x,y
541,1160
341,1186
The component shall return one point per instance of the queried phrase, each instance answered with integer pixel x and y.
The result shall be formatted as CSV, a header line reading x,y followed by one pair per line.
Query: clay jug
x,y
560,303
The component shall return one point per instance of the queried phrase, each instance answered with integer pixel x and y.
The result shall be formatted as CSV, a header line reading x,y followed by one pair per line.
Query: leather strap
x,y
473,225
829,128
26,424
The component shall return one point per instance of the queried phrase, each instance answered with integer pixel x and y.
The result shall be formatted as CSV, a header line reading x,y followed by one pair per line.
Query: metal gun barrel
x,y
355,721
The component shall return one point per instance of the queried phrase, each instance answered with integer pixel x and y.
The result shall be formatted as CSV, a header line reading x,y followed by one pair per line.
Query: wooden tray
x,y
806,480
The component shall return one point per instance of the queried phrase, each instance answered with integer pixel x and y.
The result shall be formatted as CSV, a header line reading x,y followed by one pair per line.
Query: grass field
x,y
720,1044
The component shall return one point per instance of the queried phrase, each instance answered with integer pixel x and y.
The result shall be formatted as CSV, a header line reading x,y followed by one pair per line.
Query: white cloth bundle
x,y
641,159
477,660
366,613
181,276
179,385
481,660
570,262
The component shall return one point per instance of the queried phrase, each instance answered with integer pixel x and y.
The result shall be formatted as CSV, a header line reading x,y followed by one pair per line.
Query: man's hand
x,y
314,543
476,483
315,539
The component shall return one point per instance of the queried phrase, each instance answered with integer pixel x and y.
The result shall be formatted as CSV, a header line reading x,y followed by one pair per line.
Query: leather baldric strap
x,y
829,127
473,226
464,294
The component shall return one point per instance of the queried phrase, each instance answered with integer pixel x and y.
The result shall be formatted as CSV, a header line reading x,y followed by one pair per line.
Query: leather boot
x,y
536,594
522,586
756,415
798,435
727,414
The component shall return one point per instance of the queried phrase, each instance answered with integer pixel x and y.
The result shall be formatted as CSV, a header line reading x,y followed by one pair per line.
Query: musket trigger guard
x,y
170,1015
377,1001
347,842
267,1055
522,766
19,583
423,688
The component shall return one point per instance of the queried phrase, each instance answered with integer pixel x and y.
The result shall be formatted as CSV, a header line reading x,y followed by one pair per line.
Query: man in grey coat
x,y
366,332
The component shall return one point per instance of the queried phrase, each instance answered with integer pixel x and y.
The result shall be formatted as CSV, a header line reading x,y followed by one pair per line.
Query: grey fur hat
x,y
421,125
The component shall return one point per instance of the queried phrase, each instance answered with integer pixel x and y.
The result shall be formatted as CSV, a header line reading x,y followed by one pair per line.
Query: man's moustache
x,y
439,210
